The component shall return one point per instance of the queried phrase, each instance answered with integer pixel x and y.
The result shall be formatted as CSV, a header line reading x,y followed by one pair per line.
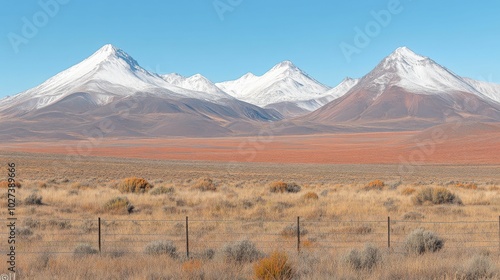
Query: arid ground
x,y
342,207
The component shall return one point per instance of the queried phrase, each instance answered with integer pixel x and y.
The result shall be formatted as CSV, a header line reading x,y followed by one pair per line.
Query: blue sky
x,y
224,39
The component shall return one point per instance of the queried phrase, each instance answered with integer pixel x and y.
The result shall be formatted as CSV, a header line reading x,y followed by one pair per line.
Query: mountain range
x,y
110,94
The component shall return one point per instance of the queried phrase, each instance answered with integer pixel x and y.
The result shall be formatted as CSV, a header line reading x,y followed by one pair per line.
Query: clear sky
x,y
224,39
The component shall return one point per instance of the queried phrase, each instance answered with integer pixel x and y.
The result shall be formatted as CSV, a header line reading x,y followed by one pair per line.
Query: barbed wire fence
x,y
197,237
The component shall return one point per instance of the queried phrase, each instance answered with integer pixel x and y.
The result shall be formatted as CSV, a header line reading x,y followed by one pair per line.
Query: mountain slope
x,y
408,91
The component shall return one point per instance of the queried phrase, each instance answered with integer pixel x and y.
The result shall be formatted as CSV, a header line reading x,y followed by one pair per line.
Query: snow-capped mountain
x,y
407,88
196,82
107,74
283,83
490,90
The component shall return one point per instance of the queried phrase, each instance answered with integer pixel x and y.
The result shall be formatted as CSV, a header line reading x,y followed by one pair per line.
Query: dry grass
x,y
243,197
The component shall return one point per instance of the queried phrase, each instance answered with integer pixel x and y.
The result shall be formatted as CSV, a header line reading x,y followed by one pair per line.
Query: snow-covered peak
x,y
196,82
284,82
107,73
415,73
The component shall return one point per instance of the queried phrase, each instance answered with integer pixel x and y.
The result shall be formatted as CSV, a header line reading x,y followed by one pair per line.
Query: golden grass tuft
x,y
408,191
276,266
192,266
5,185
205,184
374,185
134,185
469,186
310,196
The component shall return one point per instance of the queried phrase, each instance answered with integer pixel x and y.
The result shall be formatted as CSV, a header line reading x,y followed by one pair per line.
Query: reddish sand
x,y
360,148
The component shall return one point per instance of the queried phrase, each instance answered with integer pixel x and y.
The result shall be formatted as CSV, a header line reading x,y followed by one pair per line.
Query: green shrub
x,y
421,241
363,260
436,196
241,252
162,247
119,205
134,185
276,266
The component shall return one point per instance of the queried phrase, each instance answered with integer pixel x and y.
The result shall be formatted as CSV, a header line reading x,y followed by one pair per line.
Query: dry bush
x,y
205,184
161,247
422,241
366,259
134,185
310,196
33,199
291,230
5,185
374,185
276,266
161,190
408,191
470,186
281,187
119,205
84,250
241,252
436,196
413,216
479,267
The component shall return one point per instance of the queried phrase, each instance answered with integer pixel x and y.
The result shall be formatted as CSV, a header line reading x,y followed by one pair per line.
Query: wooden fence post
x,y
99,233
389,232
187,237
298,234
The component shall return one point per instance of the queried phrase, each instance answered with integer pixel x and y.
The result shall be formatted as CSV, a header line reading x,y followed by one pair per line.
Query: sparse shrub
x,y
374,185
60,224
24,231
161,190
413,216
31,223
134,185
83,250
162,247
42,185
207,254
5,185
408,191
33,199
205,184
274,267
119,205
421,241
479,267
436,196
310,196
363,260
241,252
291,230
470,186
281,187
